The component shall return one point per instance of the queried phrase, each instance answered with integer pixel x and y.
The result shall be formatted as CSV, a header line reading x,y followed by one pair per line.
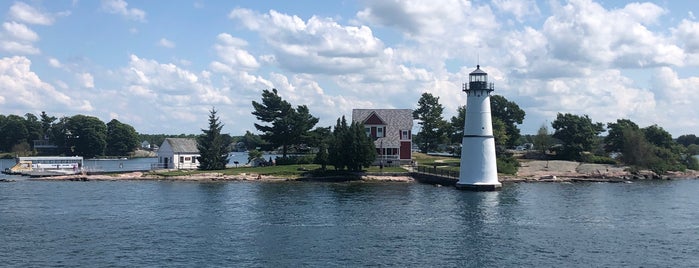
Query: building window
x,y
368,131
181,159
379,132
194,160
405,135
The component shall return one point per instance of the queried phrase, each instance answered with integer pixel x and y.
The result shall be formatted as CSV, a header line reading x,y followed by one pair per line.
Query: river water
x,y
292,224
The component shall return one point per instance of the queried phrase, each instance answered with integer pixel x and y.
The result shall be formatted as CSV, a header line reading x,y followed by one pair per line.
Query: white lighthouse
x,y
478,167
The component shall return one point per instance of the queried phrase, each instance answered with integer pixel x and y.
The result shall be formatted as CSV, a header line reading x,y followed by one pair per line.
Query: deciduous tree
x,y
577,133
122,139
433,126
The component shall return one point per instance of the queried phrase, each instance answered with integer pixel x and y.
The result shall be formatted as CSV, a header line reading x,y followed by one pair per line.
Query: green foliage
x,y
254,154
578,134
13,130
213,146
658,136
688,140
294,160
433,126
500,135
85,136
693,149
122,139
456,134
507,164
542,141
598,159
511,115
285,125
614,142
350,147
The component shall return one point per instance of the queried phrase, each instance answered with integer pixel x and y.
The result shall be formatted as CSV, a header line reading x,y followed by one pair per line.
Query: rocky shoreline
x,y
530,171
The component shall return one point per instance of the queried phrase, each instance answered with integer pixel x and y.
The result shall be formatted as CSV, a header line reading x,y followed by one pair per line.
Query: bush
x,y
597,159
294,160
507,165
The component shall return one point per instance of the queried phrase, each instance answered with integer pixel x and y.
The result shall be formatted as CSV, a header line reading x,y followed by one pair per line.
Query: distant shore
x,y
530,171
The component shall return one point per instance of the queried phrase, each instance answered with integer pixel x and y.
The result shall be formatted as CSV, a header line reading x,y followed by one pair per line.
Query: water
x,y
290,224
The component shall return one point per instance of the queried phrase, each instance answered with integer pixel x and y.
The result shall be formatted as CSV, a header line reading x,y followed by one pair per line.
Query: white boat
x,y
59,164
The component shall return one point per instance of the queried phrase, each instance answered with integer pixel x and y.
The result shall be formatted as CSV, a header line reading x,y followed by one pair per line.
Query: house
x,y
391,130
178,153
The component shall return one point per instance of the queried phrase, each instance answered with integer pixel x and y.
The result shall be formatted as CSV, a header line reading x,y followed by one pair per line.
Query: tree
x,y
34,130
687,140
46,123
658,136
85,135
286,125
122,139
213,147
429,112
457,125
350,147
614,142
252,141
542,140
511,115
13,131
577,133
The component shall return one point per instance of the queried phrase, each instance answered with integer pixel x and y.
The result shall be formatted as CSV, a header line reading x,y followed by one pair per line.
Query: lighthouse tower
x,y
478,167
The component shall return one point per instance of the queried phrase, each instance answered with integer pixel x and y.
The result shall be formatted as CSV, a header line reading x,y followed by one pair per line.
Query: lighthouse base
x,y
479,187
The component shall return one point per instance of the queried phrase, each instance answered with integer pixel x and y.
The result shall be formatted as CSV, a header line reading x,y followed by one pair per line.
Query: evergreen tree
x,y
213,147
286,125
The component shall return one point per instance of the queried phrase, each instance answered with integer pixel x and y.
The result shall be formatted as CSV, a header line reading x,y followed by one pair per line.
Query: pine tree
x,y
212,146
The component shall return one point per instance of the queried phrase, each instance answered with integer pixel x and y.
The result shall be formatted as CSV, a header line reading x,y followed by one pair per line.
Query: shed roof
x,y
183,145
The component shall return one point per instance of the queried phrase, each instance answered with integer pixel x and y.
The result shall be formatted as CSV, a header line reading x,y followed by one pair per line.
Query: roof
x,y
478,71
183,145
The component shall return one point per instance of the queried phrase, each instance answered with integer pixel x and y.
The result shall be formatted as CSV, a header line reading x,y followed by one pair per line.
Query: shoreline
x,y
529,171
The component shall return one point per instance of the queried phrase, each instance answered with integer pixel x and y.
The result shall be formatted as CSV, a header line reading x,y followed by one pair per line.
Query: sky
x,y
161,66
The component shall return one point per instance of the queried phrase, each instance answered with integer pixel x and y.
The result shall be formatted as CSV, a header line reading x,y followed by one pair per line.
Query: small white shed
x,y
178,153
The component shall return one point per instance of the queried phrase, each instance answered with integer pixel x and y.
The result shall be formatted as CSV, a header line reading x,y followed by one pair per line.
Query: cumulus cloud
x,y
20,11
17,38
23,90
519,8
230,50
319,45
120,7
584,32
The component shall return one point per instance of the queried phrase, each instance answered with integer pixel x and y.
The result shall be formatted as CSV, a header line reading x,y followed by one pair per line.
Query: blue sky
x,y
162,65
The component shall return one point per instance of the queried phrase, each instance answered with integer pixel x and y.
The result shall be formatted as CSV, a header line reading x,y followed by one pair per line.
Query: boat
x,y
57,165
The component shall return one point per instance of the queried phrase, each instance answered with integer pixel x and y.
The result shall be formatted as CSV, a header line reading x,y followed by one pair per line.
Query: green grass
x,y
281,171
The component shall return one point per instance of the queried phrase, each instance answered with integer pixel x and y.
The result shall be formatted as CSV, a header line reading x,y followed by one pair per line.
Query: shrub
x,y
507,165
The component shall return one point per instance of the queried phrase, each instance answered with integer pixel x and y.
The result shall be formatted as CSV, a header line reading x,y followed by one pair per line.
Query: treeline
x,y
76,135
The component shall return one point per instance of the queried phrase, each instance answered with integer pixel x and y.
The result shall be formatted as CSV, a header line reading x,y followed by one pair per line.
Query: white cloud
x,y
120,7
166,43
687,34
17,38
86,80
519,8
55,63
583,32
230,50
24,91
319,45
28,14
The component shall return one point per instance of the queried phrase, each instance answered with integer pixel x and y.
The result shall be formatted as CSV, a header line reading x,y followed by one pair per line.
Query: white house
x,y
178,153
